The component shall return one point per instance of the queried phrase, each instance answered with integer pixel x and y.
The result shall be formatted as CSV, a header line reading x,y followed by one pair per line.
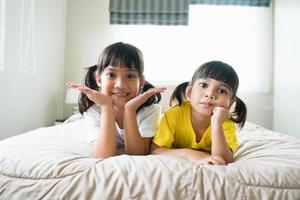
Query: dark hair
x,y
113,55
219,71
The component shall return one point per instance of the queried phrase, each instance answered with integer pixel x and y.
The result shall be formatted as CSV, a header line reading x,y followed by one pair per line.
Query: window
x,y
2,32
238,35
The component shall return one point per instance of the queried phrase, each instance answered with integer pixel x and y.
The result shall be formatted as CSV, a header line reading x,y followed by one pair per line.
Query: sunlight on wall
x,y
27,47
238,35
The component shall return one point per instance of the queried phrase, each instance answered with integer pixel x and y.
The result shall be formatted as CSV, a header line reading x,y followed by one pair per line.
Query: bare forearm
x,y
134,143
186,153
106,144
219,146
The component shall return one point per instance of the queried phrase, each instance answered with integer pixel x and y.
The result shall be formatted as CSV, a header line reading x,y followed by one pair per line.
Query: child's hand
x,y
212,160
202,158
220,114
134,103
94,95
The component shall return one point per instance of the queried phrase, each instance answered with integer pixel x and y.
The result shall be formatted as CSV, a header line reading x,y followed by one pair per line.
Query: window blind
x,y
264,3
152,12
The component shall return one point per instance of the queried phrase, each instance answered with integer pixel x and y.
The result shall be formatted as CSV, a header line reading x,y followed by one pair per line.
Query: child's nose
x,y
120,83
209,96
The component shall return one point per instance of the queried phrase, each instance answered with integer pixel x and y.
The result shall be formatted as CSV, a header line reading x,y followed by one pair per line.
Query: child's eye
x,y
222,91
203,85
110,75
131,76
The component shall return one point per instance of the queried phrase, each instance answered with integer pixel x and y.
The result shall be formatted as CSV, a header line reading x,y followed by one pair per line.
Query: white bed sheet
x,y
56,163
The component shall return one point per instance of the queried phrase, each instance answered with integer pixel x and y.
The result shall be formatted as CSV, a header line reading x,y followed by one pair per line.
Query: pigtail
x,y
153,99
178,94
240,113
90,81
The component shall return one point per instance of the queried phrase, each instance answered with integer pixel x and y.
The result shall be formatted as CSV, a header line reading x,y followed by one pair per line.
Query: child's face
x,y
206,94
120,83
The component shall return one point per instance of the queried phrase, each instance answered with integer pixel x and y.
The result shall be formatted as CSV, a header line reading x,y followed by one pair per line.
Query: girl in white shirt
x,y
120,107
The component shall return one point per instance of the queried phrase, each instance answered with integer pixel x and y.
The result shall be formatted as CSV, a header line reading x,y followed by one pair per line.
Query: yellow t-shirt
x,y
176,130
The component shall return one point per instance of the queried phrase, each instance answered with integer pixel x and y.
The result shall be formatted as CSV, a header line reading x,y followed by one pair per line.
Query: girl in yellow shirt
x,y
201,127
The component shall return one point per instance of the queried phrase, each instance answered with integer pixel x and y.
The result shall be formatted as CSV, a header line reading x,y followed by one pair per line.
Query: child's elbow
x,y
154,149
96,153
102,155
228,160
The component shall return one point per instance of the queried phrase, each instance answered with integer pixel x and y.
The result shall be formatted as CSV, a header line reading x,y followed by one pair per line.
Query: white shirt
x,y
147,120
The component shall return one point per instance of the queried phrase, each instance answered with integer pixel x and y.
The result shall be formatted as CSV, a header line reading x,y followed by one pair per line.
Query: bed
x,y
56,163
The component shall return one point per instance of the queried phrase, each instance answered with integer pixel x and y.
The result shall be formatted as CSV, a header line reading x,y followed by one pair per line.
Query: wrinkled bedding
x,y
56,163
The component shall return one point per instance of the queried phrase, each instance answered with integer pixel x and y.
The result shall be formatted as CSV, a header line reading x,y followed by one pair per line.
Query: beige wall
x,y
32,97
32,101
287,66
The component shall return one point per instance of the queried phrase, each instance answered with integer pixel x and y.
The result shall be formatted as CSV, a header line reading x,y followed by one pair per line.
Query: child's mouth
x,y
120,94
207,104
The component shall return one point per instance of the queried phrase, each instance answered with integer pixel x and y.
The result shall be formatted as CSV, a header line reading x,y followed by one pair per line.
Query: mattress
x,y
56,163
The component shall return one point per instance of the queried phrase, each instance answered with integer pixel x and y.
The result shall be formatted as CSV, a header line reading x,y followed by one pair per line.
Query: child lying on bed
x,y
121,108
202,129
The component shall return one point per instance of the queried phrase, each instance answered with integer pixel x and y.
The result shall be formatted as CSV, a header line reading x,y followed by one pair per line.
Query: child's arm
x,y
106,144
196,156
134,143
219,146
